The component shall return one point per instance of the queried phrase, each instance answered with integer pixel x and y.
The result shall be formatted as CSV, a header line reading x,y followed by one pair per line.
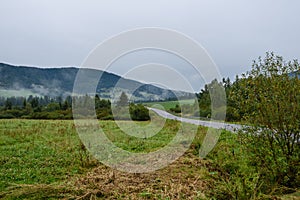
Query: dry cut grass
x,y
186,178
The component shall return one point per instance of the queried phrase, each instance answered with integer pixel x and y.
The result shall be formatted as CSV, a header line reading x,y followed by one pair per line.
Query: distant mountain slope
x,y
59,81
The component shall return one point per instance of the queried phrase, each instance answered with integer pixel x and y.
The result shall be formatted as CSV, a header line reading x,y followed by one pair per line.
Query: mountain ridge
x,y
59,81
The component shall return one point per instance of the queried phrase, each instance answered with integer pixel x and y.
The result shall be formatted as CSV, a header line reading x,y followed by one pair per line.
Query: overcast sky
x,y
63,32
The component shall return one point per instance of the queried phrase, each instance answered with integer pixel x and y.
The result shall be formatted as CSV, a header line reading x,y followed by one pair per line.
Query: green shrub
x,y
234,175
139,112
177,109
269,97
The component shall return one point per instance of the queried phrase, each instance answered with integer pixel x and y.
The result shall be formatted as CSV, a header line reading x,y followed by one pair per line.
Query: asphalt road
x,y
212,124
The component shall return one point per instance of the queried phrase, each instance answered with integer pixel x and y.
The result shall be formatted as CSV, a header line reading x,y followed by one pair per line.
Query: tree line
x,y
36,107
45,107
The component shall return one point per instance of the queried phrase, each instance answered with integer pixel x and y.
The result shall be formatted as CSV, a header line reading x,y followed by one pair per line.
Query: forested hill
x,y
59,82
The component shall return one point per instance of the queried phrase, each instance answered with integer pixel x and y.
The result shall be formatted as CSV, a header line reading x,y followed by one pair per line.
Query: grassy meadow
x,y
45,159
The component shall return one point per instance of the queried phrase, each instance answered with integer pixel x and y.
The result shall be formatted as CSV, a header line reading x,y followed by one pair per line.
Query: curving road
x,y
212,124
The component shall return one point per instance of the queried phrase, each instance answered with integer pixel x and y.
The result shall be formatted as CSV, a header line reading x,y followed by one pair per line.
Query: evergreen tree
x,y
123,101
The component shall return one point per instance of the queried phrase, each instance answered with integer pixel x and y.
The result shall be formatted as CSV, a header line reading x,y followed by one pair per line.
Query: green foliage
x,y
212,97
177,109
266,155
37,108
52,107
34,102
235,172
232,114
125,111
139,112
263,159
269,99
234,175
101,103
47,108
204,102
131,112
8,105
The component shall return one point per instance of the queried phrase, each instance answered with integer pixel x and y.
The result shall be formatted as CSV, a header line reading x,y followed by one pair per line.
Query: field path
x,y
212,124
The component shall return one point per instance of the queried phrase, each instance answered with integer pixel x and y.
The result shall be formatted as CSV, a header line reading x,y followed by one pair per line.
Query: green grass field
x,y
37,151
45,159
